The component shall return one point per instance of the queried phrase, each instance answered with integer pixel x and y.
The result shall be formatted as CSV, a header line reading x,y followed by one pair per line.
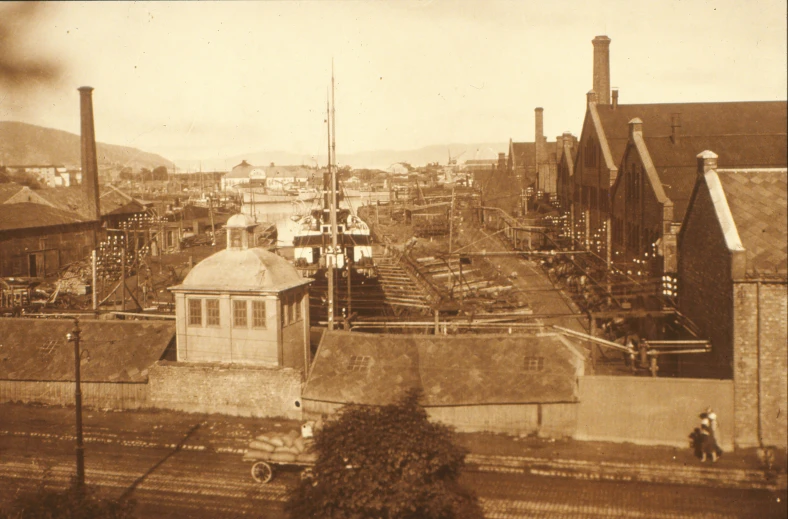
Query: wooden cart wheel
x,y
262,472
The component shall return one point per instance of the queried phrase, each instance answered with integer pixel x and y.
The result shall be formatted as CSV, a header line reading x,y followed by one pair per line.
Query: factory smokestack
x,y
89,160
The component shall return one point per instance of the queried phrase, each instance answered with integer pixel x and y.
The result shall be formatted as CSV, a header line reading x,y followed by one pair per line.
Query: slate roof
x,y
676,164
737,120
70,198
459,370
29,215
8,190
115,351
758,201
523,154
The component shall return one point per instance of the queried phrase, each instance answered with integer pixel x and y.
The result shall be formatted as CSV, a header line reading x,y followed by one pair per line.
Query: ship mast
x,y
329,257
333,170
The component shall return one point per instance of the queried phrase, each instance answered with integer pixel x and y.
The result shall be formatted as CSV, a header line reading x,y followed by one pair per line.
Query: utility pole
x,y
80,449
123,275
213,227
94,288
451,219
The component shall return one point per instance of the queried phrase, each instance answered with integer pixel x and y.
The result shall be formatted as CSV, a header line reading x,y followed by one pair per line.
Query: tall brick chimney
x,y
89,160
539,138
602,69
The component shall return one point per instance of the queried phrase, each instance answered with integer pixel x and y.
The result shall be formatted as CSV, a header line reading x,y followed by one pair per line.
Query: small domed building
x,y
243,305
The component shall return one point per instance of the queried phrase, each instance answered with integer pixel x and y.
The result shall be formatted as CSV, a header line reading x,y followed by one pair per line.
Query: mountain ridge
x,y
29,144
373,159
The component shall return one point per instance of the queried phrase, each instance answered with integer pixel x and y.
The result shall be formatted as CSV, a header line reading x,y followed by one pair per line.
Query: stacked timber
x,y
397,285
289,447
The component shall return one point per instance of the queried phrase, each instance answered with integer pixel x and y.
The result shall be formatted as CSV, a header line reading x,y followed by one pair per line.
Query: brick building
x,y
733,284
671,132
656,173
535,164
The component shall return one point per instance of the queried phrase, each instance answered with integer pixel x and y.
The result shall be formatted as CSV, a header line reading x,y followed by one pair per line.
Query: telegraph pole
x,y
80,450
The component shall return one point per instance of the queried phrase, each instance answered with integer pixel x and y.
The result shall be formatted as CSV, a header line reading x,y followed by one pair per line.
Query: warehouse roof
x,y
450,370
113,351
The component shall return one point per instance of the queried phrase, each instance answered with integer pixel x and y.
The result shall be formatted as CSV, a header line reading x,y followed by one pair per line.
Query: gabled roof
x,y
28,215
114,201
113,351
459,370
733,120
70,198
523,154
758,203
8,190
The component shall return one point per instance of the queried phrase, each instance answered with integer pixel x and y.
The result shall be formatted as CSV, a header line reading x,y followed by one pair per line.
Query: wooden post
x,y
94,288
213,227
592,331
123,277
437,322
609,256
451,219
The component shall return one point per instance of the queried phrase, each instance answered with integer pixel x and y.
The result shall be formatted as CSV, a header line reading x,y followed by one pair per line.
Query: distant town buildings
x,y
271,176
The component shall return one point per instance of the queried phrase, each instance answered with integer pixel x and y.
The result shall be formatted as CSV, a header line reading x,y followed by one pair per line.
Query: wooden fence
x,y
100,395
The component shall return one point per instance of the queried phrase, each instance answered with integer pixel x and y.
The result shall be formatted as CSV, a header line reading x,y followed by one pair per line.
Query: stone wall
x,y
652,411
760,367
226,389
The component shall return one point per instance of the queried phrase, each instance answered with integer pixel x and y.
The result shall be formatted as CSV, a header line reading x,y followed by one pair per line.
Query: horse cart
x,y
284,450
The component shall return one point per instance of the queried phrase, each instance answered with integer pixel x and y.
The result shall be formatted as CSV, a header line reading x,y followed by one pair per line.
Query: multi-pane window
x,y
358,363
212,312
195,312
258,314
534,364
239,314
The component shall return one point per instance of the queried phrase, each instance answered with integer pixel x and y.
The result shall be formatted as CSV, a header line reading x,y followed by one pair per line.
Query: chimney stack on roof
x,y
635,126
707,161
615,98
89,159
675,127
539,138
590,97
602,69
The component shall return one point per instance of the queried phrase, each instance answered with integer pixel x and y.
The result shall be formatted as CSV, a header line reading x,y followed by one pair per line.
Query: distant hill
x,y
381,159
28,144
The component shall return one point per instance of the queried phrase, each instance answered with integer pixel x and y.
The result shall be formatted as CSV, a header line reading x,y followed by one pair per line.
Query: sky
x,y
207,80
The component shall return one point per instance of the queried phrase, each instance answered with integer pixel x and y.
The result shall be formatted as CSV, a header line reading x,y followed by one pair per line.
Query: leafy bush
x,y
385,462
72,503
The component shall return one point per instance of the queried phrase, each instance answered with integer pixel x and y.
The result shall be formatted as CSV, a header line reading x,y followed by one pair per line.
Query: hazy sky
x,y
193,80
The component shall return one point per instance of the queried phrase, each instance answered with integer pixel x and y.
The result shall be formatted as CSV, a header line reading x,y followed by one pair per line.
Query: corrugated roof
x,y
758,201
113,351
29,215
459,370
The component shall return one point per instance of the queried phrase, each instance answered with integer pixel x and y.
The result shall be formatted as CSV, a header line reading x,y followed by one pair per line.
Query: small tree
x,y
384,463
